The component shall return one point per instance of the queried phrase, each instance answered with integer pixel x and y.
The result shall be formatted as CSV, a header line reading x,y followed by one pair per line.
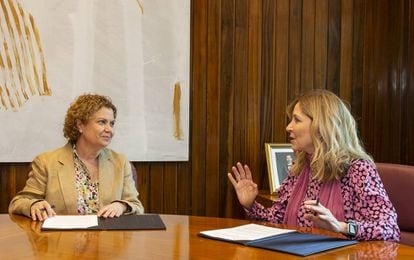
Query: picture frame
x,y
279,159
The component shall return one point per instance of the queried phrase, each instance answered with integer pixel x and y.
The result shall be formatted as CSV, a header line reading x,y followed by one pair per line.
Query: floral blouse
x,y
365,202
88,201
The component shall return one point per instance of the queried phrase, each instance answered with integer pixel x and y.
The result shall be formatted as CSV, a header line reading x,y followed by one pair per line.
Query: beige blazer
x,y
52,178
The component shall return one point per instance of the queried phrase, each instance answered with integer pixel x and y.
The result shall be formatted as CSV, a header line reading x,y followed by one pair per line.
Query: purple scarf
x,y
330,197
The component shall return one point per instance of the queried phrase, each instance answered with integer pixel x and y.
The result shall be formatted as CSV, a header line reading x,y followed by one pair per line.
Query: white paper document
x,y
70,222
247,232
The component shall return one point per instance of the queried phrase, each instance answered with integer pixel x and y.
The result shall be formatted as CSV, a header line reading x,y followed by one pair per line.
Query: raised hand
x,y
243,184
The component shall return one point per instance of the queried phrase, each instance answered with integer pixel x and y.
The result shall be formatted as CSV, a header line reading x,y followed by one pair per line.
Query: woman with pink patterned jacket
x,y
333,183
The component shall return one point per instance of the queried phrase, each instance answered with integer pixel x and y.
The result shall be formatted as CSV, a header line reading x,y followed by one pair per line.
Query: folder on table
x,y
283,240
92,222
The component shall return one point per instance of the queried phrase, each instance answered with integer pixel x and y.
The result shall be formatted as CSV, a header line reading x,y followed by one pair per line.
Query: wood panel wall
x,y
249,58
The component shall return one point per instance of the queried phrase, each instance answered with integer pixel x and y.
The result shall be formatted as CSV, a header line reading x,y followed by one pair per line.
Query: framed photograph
x,y
279,160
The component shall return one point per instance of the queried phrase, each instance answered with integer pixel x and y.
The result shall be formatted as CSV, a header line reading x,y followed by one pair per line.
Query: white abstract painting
x,y
135,51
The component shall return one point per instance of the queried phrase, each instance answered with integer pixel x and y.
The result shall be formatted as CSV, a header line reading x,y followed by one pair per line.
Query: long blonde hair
x,y
334,135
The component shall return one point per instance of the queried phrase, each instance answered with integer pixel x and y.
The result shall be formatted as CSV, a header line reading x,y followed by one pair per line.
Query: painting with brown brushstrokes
x,y
22,63
135,51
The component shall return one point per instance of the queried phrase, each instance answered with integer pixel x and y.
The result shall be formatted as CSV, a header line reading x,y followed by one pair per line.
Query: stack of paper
x,y
70,222
245,233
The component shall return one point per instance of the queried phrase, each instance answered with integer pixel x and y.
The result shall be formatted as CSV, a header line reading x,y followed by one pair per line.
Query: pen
x,y
43,209
317,204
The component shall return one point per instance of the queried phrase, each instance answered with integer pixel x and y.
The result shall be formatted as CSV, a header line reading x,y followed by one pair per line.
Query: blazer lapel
x,y
66,175
106,178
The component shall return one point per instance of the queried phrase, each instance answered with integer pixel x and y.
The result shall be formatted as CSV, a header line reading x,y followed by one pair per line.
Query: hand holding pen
x,y
41,210
322,217
313,206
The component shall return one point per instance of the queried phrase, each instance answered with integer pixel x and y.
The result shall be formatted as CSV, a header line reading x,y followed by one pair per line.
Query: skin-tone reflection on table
x,y
22,238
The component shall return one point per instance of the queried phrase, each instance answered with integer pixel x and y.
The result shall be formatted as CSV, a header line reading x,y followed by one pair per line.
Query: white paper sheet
x,y
70,222
247,232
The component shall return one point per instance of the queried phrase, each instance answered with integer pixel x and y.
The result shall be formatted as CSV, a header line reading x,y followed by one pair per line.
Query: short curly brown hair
x,y
82,109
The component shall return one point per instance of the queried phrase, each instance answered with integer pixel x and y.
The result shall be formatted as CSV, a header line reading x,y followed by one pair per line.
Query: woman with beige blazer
x,y
82,177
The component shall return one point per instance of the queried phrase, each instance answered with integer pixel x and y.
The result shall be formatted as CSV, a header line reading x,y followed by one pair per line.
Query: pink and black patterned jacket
x,y
365,202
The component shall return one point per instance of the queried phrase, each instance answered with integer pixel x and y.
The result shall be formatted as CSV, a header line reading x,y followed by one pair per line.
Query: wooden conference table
x,y
20,238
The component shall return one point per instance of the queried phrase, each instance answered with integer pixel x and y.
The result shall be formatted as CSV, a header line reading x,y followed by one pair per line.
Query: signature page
x,y
248,232
70,222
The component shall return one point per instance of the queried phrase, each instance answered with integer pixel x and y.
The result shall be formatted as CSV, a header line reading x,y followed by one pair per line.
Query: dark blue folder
x,y
301,244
